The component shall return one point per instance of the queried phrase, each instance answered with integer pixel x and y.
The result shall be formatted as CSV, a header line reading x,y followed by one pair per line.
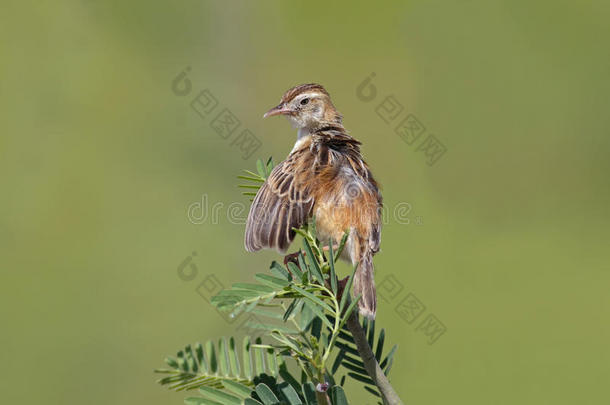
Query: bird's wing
x,y
283,202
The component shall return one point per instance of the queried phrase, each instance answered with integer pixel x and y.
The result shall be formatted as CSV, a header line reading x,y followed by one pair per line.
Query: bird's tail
x,y
364,285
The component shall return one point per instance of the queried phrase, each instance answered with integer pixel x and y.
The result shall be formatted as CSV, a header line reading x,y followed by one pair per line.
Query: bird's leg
x,y
325,248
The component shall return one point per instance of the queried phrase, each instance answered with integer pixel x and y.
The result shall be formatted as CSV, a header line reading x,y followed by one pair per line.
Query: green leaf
x,y
289,394
304,267
295,270
287,341
314,266
372,391
280,271
261,169
191,370
380,341
349,310
306,317
389,367
348,287
341,245
371,337
190,357
211,352
237,388
253,287
271,281
388,357
223,355
346,336
286,376
266,395
171,362
251,178
313,299
323,338
203,365
338,361
248,172
233,357
347,348
333,275
259,360
200,401
337,396
304,377
267,313
250,401
355,369
182,362
250,306
272,362
217,395
235,294
291,308
355,361
361,378
312,225
248,371
320,314
269,165
309,391
316,326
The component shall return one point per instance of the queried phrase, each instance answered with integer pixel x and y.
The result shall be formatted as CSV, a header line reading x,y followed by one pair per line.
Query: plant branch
x,y
390,396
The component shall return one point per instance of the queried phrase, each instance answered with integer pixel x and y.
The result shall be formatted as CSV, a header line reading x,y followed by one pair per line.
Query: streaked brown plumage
x,y
324,175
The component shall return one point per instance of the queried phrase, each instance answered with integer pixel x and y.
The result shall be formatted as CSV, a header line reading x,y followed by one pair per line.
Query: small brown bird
x,y
324,175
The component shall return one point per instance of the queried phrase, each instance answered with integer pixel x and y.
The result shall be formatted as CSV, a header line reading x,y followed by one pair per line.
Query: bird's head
x,y
307,106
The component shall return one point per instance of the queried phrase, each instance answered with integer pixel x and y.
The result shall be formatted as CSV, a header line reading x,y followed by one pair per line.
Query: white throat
x,y
302,134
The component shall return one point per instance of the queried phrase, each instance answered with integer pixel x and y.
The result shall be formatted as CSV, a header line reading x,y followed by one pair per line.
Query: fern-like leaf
x,y
217,367
256,180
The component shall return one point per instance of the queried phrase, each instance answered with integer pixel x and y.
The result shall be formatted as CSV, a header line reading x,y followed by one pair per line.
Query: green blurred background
x,y
508,240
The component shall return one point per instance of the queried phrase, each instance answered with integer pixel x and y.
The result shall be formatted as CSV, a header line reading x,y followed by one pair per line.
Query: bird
x,y
324,177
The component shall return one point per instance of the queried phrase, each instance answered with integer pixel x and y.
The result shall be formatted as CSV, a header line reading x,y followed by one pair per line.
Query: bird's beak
x,y
280,109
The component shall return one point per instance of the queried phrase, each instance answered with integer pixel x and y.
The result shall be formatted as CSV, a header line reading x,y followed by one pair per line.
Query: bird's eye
x,y
304,101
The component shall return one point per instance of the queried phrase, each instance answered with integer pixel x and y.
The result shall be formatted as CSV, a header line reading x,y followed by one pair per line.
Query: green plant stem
x,y
371,365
